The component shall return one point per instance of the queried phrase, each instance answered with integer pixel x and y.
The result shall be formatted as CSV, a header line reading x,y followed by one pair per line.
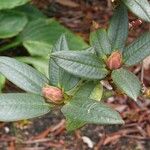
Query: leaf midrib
x,y
97,35
116,35
79,62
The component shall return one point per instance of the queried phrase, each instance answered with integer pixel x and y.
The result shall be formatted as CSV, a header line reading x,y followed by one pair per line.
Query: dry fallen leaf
x,y
113,138
67,3
148,130
146,63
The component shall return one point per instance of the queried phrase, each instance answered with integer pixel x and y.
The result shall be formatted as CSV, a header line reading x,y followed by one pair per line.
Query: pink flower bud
x,y
114,61
53,94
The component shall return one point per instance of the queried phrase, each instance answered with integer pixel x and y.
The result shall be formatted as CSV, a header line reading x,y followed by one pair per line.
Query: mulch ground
x,y
48,132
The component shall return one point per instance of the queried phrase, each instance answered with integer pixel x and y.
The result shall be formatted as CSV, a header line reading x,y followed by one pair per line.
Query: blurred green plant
x,y
23,24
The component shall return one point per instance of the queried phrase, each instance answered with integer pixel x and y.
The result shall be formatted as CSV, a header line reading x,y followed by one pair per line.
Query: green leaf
x,y
72,124
137,50
99,40
75,42
36,30
21,106
84,91
141,8
58,77
24,76
82,64
118,29
48,31
61,44
127,82
97,92
31,11
107,94
81,110
90,50
7,4
11,23
36,48
2,82
91,112
40,63
55,72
